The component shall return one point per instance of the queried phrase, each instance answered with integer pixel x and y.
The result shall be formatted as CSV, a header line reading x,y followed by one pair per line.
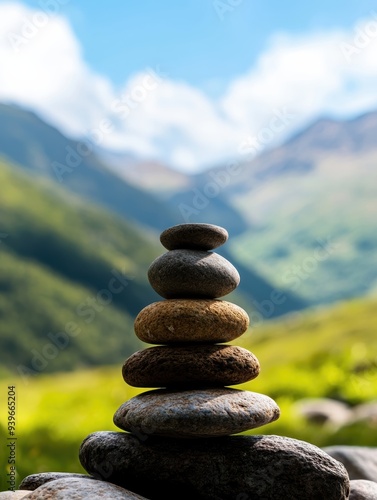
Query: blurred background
x,y
119,120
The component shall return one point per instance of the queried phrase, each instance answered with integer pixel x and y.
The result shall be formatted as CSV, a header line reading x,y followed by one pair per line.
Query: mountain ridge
x,y
140,210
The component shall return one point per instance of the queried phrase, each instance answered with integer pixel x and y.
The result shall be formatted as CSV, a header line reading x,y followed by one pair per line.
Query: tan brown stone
x,y
189,320
201,365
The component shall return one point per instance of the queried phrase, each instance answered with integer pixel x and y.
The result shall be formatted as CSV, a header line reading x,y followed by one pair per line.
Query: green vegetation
x,y
315,234
72,278
329,353
323,353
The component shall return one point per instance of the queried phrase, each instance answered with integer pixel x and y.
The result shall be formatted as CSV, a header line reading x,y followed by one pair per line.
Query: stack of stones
x,y
179,441
192,366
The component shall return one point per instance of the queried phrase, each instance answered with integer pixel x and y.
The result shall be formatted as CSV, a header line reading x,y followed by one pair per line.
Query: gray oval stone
x,y
192,274
360,461
13,495
196,413
195,365
361,489
194,237
34,481
227,468
80,489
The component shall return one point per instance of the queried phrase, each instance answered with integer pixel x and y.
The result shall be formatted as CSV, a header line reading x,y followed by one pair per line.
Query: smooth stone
x,y
80,489
324,411
227,468
366,412
13,495
34,481
194,237
196,413
188,320
202,365
361,489
192,274
360,461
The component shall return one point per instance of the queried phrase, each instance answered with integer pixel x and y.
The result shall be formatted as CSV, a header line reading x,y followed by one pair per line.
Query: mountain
x,y
151,176
301,216
73,277
41,149
34,146
310,209
133,189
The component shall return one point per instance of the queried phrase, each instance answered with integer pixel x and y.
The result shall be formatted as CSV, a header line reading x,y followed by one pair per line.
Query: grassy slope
x,y
57,253
329,353
294,214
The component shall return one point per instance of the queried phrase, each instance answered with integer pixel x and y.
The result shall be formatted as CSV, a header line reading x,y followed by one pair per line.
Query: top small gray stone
x,y
193,237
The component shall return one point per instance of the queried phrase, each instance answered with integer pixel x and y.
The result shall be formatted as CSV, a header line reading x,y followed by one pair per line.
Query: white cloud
x,y
42,68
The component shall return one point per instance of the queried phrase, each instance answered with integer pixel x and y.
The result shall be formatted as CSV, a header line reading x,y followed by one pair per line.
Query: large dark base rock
x,y
236,467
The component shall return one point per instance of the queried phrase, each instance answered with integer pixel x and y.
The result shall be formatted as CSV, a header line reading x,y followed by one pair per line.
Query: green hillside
x,y
41,149
323,353
72,278
315,234
70,275
37,148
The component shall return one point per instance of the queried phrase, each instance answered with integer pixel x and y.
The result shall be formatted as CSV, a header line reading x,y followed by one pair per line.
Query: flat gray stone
x,y
194,237
180,274
34,481
360,461
324,411
190,366
13,495
361,489
80,489
196,413
366,412
228,468
190,320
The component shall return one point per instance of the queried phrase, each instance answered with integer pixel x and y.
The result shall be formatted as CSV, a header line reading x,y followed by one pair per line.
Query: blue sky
x,y
225,67
194,40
